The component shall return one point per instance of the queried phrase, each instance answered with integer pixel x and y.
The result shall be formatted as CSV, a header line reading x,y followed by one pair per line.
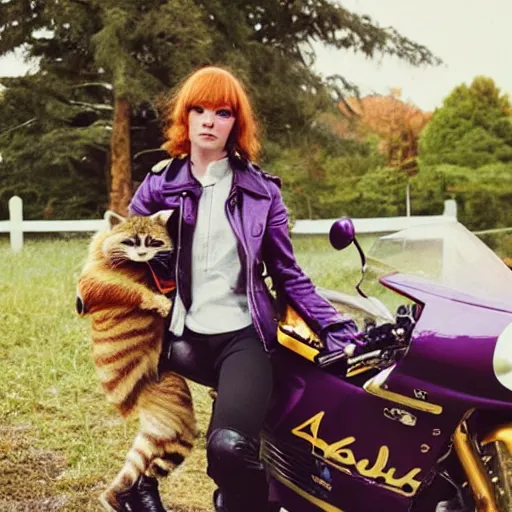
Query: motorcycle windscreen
x,y
446,253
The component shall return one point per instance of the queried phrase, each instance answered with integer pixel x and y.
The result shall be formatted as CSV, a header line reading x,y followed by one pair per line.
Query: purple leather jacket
x,y
259,219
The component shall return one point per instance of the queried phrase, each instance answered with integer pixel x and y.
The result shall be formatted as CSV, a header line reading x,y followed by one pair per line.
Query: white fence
x,y
16,226
380,224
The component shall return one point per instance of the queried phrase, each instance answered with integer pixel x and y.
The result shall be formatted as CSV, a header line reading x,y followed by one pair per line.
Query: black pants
x,y
234,363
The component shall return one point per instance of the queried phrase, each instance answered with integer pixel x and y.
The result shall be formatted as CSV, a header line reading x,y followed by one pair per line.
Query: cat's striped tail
x,y
166,436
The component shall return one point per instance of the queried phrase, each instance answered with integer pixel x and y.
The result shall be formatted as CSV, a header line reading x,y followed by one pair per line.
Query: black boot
x,y
234,465
145,496
125,501
142,496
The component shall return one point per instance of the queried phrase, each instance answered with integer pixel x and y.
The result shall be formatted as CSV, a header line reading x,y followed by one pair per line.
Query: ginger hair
x,y
212,87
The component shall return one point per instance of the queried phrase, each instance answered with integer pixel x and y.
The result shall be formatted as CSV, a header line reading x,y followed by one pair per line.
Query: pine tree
x,y
53,148
142,58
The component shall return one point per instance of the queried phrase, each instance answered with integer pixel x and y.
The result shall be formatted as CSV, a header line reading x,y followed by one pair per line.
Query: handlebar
x,y
374,342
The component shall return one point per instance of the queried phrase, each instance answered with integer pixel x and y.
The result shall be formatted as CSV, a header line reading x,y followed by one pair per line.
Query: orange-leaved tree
x,y
396,123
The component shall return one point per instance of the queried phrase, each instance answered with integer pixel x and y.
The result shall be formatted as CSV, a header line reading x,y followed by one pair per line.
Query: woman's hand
x,y
340,341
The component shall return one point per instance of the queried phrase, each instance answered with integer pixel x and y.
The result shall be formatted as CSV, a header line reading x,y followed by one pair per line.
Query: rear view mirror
x,y
342,233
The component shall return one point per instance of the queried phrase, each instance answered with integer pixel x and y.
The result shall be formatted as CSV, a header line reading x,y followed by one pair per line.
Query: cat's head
x,y
135,239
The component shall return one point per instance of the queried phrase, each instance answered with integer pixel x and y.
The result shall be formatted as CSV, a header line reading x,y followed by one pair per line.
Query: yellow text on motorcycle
x,y
343,458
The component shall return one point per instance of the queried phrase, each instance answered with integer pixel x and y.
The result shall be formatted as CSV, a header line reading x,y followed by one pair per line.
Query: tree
x,y
320,184
393,123
122,46
132,47
141,49
53,150
396,123
473,128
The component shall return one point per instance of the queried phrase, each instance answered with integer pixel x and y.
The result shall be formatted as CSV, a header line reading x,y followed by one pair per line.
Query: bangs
x,y
211,88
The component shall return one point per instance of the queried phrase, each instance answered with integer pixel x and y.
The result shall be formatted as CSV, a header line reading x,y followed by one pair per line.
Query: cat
x,y
128,321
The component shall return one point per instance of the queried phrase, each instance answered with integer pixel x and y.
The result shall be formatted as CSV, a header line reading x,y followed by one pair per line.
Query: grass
x,y
60,443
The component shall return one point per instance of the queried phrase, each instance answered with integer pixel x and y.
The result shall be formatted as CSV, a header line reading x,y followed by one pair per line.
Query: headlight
x,y
502,360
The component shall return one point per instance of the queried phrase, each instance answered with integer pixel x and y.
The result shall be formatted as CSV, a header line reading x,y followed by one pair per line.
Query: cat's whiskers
x,y
114,264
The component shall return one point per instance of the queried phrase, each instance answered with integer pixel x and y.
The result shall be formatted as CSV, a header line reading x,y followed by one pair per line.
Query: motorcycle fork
x,y
498,448
476,472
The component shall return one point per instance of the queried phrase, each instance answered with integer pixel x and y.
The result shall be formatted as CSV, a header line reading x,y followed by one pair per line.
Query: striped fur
x,y
127,333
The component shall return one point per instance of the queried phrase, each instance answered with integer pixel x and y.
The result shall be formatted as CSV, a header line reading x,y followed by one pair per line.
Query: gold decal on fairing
x,y
338,454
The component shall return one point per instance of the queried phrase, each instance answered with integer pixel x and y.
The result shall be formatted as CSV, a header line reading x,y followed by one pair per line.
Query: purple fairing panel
x,y
302,443
452,347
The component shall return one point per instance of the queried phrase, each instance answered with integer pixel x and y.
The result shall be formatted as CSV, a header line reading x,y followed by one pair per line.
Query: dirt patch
x,y
27,475
43,505
32,480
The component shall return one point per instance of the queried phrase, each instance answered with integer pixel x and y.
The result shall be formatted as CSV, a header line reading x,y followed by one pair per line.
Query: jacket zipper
x,y
241,238
180,243
176,268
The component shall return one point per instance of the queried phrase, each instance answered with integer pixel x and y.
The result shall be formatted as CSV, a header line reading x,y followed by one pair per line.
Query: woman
x,y
231,226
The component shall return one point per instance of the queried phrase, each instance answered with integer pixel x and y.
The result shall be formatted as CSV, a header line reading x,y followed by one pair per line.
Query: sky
x,y
472,37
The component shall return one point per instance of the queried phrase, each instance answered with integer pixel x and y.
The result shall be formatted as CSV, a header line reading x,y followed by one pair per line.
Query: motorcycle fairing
x,y
354,440
452,348
340,455
378,386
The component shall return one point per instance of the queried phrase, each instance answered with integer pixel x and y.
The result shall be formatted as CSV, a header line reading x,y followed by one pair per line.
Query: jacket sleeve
x,y
147,198
291,283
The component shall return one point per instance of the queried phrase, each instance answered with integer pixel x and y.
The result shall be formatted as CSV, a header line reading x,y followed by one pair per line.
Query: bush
x,y
319,184
483,195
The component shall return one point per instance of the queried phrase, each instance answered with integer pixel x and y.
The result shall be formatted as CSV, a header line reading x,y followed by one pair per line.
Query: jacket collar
x,y
247,178
178,178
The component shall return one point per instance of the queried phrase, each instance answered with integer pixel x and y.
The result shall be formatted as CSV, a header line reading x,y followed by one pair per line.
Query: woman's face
x,y
208,129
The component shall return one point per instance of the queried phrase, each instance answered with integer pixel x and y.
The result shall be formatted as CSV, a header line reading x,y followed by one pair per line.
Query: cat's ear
x,y
113,219
162,216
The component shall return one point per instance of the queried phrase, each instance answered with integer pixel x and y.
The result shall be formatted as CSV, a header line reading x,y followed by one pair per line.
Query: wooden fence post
x,y
16,223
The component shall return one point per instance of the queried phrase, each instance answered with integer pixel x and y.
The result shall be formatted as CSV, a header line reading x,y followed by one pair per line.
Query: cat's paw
x,y
159,303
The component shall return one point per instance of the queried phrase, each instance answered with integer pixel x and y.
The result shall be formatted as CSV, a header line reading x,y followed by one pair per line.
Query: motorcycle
x,y
420,419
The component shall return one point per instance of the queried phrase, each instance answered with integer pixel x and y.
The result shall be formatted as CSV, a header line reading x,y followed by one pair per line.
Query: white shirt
x,y
216,267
